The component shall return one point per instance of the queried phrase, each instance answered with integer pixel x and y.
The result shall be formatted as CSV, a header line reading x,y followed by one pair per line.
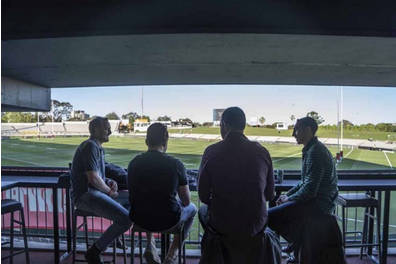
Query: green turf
x,y
120,150
324,133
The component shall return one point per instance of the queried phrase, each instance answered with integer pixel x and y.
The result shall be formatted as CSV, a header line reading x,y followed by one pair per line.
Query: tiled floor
x,y
37,257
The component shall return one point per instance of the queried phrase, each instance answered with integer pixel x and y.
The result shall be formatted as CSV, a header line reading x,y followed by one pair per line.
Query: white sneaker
x,y
151,254
171,260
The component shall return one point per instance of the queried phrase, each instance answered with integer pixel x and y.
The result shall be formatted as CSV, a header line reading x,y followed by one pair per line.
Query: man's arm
x,y
313,178
97,182
270,188
184,195
92,160
204,188
294,189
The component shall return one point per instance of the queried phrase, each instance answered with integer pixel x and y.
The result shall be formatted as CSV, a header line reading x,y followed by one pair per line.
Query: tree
x,y
17,117
164,118
112,116
60,110
262,120
131,116
292,118
319,120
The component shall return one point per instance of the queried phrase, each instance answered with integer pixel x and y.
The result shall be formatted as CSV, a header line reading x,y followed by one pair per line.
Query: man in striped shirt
x,y
316,192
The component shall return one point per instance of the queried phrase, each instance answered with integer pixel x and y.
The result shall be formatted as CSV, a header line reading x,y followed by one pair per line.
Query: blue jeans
x,y
101,204
186,217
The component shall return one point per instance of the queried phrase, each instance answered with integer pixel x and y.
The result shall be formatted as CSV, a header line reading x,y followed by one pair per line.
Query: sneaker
x,y
120,245
292,260
92,256
151,255
171,260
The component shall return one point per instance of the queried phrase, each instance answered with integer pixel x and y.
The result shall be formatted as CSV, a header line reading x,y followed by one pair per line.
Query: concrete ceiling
x,y
97,43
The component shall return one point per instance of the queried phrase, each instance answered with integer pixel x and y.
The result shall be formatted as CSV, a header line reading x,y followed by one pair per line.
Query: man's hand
x,y
113,185
282,199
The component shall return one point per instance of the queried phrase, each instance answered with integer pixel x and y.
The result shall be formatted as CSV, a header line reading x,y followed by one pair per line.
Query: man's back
x,y
236,180
153,181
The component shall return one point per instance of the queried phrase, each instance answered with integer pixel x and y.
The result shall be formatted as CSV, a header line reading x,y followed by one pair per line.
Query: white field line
x,y
29,162
287,157
386,156
349,153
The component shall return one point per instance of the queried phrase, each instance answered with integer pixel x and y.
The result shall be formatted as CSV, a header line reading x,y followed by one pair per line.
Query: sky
x,y
276,103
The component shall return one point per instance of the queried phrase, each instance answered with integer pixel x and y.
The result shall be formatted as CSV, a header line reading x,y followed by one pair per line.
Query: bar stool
x,y
361,200
76,213
165,238
12,206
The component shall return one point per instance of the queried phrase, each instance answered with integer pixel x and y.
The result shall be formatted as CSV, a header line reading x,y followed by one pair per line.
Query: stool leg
x,y
124,249
180,246
132,247
184,253
163,242
115,251
343,227
364,233
379,231
140,248
74,225
25,237
86,232
12,238
371,231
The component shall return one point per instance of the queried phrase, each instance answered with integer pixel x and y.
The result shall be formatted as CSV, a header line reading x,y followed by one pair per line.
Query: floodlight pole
x,y
52,117
142,100
338,119
342,116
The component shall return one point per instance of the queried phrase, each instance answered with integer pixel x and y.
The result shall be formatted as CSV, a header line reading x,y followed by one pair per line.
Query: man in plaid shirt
x,y
316,192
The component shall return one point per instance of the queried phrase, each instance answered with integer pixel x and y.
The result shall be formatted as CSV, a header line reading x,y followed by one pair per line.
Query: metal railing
x,y
37,203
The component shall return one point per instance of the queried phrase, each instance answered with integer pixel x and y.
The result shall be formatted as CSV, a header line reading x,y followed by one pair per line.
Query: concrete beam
x,y
19,96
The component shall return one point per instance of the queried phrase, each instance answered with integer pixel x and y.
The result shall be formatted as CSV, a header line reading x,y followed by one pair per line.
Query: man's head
x,y
100,129
305,130
157,137
232,119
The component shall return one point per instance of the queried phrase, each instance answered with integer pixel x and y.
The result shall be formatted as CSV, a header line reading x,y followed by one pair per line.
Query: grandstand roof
x,y
199,42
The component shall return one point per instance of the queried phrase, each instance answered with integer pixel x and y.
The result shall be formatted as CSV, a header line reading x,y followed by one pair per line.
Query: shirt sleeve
x,y
181,173
92,157
309,188
204,187
270,187
131,171
294,189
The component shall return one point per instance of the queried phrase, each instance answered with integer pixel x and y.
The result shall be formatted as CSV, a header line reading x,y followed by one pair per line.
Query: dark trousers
x,y
288,219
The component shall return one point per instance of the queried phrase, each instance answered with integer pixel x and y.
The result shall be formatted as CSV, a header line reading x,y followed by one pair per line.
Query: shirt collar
x,y
234,134
313,141
97,144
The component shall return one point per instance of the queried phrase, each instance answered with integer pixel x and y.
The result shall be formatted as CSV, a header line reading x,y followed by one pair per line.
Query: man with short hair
x,y
314,195
235,182
93,192
159,193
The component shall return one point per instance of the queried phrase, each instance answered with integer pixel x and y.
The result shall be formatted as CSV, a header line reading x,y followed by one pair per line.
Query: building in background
x,y
79,115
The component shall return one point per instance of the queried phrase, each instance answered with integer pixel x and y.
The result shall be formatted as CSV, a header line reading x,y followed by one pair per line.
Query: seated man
x,y
154,181
235,182
93,192
314,195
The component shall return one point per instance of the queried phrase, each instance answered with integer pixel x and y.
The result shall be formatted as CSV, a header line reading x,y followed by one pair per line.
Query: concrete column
x,y
19,96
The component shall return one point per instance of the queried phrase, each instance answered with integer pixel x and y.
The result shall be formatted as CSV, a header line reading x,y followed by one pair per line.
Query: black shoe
x,y
92,256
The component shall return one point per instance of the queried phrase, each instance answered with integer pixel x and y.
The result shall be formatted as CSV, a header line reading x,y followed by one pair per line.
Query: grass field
x,y
120,150
324,133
